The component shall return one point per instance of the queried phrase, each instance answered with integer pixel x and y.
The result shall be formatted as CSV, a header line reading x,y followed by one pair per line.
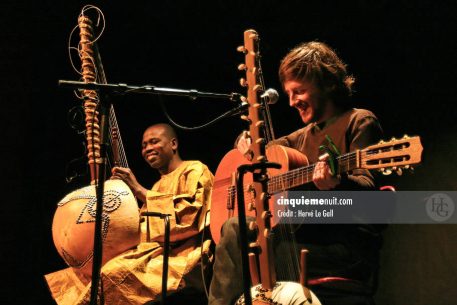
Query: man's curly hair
x,y
317,63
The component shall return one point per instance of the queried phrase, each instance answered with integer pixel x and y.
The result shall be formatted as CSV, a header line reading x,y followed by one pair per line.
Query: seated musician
x,y
318,86
135,276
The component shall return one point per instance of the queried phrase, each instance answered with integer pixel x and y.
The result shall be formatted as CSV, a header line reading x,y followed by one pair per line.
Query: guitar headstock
x,y
260,176
254,88
392,155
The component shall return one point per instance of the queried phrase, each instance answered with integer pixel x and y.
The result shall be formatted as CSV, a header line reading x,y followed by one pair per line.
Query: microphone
x,y
271,95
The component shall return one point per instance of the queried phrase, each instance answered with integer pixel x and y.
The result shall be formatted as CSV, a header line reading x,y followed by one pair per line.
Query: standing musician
x,y
342,258
135,276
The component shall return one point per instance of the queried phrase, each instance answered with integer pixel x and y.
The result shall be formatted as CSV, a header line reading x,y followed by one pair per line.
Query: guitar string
x,y
345,162
101,78
301,173
113,121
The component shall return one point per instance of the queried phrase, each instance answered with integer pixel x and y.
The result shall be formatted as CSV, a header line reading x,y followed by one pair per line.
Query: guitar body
x,y
223,200
384,156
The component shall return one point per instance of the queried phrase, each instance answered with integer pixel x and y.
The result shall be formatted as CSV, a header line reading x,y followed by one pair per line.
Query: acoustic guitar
x,y
387,156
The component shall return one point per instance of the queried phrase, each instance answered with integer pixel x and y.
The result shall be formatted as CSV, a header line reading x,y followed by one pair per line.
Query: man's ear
x,y
174,144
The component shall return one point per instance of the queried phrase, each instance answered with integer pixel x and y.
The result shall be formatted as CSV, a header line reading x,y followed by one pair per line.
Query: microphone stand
x,y
241,171
147,89
100,184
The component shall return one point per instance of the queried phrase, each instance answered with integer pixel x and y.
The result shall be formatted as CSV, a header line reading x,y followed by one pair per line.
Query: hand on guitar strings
x,y
126,175
322,175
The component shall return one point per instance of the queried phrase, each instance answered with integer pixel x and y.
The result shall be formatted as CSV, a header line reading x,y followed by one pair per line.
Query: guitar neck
x,y
303,175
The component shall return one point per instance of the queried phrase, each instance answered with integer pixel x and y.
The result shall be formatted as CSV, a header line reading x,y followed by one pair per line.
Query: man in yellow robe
x,y
135,276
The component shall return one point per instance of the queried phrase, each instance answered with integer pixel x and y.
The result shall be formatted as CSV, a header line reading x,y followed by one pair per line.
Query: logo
x,y
440,207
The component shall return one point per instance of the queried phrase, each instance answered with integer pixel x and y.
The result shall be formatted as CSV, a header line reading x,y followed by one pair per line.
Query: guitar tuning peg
x,y
254,245
243,99
407,166
241,67
246,118
405,136
241,49
264,196
260,123
261,158
266,215
260,141
252,226
386,171
399,171
243,82
381,142
393,139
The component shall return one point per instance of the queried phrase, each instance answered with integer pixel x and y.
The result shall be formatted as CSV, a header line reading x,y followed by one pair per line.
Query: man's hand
x,y
126,175
322,176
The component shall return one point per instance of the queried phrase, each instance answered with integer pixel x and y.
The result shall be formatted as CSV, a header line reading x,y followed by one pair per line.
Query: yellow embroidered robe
x,y
135,276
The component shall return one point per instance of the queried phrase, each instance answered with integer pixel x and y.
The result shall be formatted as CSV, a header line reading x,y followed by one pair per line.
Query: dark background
x,y
402,53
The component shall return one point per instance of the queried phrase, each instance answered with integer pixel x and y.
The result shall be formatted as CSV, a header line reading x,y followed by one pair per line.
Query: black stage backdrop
x,y
403,54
